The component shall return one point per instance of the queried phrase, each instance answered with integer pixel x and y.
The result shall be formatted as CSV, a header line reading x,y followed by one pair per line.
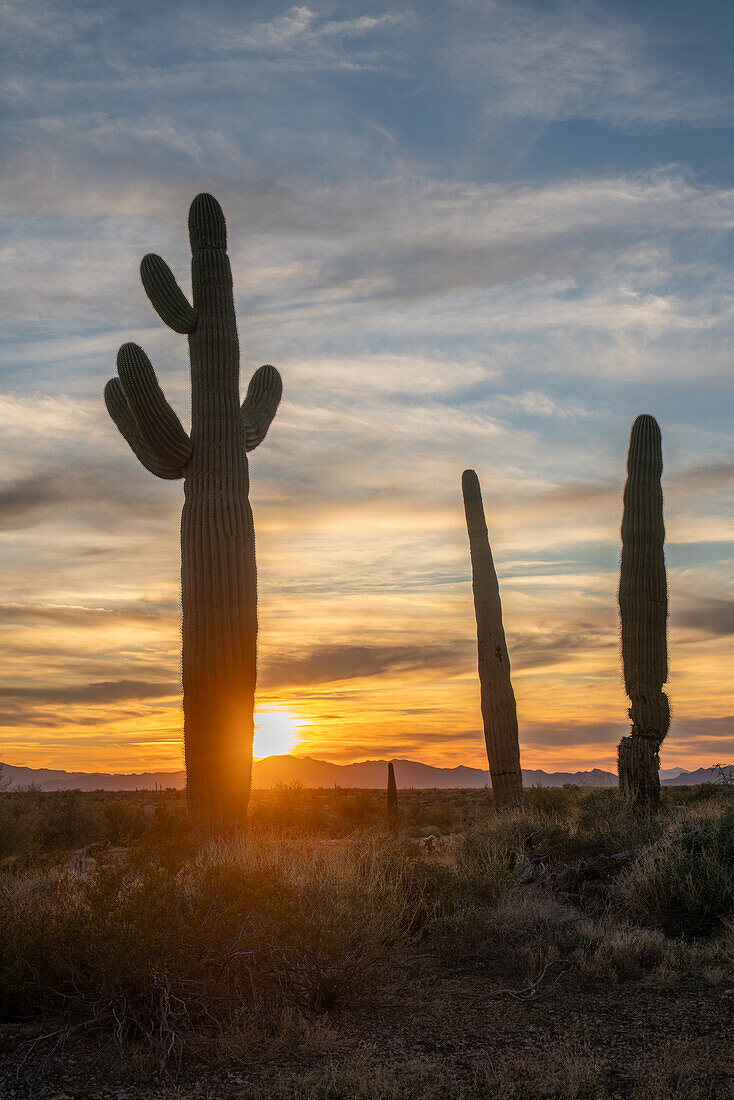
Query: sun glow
x,y
276,731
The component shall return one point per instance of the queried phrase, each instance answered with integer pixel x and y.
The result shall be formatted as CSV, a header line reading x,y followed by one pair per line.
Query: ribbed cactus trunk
x,y
499,710
392,796
218,576
643,608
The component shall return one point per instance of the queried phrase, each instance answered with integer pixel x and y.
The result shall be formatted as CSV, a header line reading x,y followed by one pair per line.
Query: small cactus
x,y
643,608
218,577
499,710
392,796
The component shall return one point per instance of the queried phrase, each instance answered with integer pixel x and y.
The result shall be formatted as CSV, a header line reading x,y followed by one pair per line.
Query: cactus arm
x,y
156,421
260,404
165,295
119,410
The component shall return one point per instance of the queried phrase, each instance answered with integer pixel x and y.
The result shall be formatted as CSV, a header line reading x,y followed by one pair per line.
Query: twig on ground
x,y
527,992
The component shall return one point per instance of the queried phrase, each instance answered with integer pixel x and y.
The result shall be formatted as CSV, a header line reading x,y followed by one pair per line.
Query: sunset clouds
x,y
468,234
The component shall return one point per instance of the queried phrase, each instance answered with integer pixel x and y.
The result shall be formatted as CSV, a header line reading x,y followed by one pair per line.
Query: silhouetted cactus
x,y
218,577
643,608
499,711
392,796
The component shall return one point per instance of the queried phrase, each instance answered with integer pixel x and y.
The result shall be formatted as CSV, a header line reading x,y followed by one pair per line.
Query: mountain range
x,y
272,770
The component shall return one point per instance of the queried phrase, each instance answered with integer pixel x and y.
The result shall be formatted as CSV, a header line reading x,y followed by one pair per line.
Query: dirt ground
x,y
436,1036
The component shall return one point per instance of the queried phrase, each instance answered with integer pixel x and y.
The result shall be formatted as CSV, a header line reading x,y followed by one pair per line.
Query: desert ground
x,y
574,951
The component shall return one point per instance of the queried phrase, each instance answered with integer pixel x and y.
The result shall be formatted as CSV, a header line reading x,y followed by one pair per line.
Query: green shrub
x,y
121,823
605,825
685,886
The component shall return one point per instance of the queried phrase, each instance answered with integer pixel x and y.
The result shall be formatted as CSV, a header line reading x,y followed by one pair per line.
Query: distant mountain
x,y
47,779
320,773
701,775
671,773
408,773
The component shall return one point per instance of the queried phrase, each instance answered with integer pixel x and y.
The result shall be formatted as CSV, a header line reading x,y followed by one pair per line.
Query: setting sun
x,y
276,731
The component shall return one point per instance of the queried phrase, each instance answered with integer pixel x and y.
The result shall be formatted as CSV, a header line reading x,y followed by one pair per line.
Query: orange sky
x,y
490,241
367,627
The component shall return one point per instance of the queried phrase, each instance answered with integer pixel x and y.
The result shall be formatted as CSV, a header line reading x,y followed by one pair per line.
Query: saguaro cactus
x,y
643,608
499,710
218,578
392,796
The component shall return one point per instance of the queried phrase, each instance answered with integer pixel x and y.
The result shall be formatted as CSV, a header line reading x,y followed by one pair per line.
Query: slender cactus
x,y
643,608
392,796
218,576
499,710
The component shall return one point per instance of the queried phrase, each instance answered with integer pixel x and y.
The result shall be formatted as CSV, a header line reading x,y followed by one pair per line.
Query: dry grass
x,y
247,951
568,1074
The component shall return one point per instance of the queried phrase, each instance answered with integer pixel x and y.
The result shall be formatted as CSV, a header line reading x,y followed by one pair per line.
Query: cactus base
x,y
639,772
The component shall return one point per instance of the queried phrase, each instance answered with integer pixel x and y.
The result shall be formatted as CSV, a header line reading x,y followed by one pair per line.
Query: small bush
x,y
609,951
685,886
515,938
121,823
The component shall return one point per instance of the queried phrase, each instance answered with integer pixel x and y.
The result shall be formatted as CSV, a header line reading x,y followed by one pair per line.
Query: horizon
x,y
664,771
486,242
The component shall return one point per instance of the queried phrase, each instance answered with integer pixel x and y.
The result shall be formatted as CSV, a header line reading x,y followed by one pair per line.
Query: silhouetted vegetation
x,y
115,925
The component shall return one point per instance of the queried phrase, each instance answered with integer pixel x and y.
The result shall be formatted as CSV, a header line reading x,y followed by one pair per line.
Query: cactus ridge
x,y
499,709
643,607
218,573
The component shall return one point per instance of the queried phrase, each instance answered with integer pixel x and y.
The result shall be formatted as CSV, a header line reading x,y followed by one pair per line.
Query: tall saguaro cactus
x,y
643,608
499,710
218,577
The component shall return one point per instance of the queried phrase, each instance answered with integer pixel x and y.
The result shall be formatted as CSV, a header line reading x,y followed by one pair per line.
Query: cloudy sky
x,y
469,233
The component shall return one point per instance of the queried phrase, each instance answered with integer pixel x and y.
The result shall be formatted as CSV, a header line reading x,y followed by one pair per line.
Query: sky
x,y
469,234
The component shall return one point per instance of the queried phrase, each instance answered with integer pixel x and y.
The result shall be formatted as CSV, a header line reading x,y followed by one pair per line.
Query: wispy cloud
x,y
435,298
560,60
328,664
306,38
110,691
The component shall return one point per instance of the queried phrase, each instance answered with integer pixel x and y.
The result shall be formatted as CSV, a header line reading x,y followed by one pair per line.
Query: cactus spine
x,y
218,577
643,608
499,710
392,796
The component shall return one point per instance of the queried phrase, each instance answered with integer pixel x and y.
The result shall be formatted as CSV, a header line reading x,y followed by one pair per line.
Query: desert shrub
x,y
173,950
356,810
605,825
516,937
15,836
557,802
498,841
685,886
334,813
33,822
283,807
66,820
612,951
121,823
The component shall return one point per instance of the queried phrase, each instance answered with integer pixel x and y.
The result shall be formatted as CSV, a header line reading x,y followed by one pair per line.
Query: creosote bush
x,y
686,887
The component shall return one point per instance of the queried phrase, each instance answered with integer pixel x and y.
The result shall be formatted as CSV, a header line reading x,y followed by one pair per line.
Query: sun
x,y
276,731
